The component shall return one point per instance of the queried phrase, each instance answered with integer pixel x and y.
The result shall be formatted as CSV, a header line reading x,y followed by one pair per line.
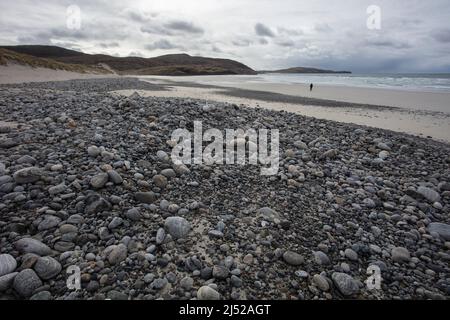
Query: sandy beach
x,y
404,112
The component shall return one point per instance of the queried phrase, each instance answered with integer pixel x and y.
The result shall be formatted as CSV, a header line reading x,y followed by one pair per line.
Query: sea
x,y
411,82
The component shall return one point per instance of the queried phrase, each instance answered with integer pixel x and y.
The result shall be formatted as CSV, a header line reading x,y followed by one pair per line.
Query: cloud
x,y
184,26
263,31
241,42
163,44
323,27
442,35
290,32
285,43
386,43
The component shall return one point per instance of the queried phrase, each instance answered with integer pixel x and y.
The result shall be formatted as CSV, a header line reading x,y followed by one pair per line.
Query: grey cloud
x,y
161,44
263,41
109,45
323,27
442,35
241,42
184,26
263,31
387,43
286,43
290,32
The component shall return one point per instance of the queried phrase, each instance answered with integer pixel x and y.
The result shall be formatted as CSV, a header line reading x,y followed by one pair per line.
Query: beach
x,y
425,114
88,163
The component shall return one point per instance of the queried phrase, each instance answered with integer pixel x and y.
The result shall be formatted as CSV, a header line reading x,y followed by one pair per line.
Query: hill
x,y
172,64
8,56
302,70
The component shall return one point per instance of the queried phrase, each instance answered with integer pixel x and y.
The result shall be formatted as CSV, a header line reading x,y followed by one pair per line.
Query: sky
x,y
399,36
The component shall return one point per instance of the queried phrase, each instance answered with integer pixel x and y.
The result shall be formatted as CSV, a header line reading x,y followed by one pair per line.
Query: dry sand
x,y
15,73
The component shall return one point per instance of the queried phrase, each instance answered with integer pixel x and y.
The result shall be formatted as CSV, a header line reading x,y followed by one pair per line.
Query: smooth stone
x,y
99,180
351,254
30,245
7,280
160,235
7,264
117,254
93,151
186,283
27,175
293,258
26,282
321,282
49,222
42,296
47,268
57,189
269,214
115,177
133,214
442,229
321,258
220,272
400,254
160,181
169,173
207,293
145,197
177,227
115,222
429,194
345,283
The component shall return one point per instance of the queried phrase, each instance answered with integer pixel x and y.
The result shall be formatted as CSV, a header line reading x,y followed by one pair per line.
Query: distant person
x,y
311,87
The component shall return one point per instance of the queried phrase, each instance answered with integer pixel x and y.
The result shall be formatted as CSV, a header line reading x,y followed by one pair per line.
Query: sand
x,y
421,123
15,73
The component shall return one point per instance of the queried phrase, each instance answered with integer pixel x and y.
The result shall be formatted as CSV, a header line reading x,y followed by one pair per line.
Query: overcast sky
x,y
414,35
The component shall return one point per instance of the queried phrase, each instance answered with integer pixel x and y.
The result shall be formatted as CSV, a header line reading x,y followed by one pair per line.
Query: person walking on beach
x,y
311,87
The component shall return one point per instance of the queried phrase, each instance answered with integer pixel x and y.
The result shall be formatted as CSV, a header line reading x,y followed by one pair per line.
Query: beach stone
x,y
93,151
321,258
145,197
160,181
47,268
60,188
117,254
49,222
7,264
115,177
99,180
345,283
133,214
293,258
115,222
400,254
177,227
41,296
429,194
27,175
269,214
7,280
187,283
26,282
30,245
220,272
442,229
169,173
321,282
351,254
160,235
207,293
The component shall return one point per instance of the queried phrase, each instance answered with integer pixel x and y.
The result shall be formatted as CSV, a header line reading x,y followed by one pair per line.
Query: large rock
x,y
293,258
400,254
177,227
345,284
429,194
26,282
7,280
145,197
269,214
207,293
442,229
7,264
47,268
27,175
30,245
49,222
118,254
99,180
